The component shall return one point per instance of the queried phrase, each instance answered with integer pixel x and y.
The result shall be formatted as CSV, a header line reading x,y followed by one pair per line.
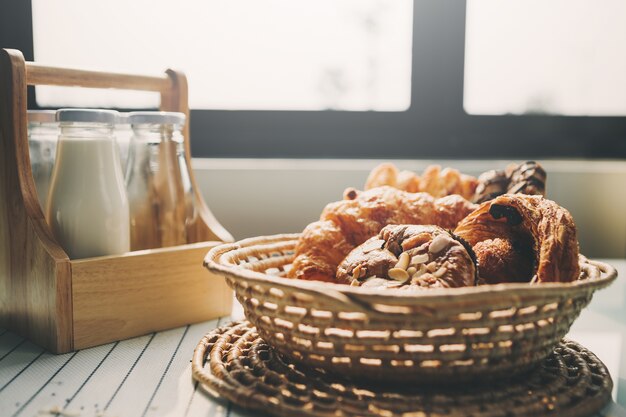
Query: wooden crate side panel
x,y
116,298
35,285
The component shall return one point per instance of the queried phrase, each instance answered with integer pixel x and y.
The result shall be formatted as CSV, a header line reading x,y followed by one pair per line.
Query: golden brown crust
x,y
319,253
504,260
407,181
347,223
526,178
434,181
409,257
383,174
531,223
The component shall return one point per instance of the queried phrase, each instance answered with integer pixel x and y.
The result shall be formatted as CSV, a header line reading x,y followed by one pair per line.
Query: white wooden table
x,y
145,376
151,375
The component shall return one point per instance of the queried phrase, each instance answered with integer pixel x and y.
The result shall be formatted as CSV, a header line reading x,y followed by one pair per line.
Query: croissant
x,y
522,238
409,257
347,223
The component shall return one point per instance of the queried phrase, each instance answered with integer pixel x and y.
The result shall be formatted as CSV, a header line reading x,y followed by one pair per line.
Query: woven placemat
x,y
233,362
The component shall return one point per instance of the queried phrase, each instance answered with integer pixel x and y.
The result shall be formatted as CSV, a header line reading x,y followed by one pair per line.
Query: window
x,y
545,57
237,54
436,107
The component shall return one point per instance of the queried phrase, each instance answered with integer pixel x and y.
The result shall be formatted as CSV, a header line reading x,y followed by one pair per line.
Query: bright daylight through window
x,y
545,57
277,55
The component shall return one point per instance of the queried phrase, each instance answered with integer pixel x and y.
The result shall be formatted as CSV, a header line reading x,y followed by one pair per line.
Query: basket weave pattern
x,y
435,335
233,362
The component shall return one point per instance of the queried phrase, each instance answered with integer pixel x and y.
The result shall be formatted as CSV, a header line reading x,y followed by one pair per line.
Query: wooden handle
x,y
44,75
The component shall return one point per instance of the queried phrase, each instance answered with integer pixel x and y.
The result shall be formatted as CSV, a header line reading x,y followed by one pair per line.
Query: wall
x,y
252,197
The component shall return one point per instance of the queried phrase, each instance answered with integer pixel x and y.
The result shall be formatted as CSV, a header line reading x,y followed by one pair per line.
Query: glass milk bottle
x,y
87,205
158,182
43,133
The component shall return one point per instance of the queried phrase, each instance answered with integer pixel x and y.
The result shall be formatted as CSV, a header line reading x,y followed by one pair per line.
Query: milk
x,y
87,204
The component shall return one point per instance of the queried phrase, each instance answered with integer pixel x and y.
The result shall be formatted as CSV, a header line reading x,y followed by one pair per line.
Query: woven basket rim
x,y
346,293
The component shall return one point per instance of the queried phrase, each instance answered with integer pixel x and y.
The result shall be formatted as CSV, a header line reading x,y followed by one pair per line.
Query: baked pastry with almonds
x,y
522,238
410,257
348,223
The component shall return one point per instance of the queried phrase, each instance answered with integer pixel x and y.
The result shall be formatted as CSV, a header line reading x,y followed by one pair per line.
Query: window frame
x,y
434,126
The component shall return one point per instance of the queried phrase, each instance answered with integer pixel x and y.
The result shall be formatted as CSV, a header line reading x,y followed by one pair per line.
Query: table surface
x,y
151,375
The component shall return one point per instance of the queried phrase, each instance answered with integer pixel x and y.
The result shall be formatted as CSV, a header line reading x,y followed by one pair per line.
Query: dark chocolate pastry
x,y
525,178
410,257
490,185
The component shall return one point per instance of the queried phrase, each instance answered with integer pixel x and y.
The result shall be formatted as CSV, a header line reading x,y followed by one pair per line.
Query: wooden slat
x,y
142,292
135,394
109,376
34,377
203,405
37,74
61,388
13,365
176,390
9,341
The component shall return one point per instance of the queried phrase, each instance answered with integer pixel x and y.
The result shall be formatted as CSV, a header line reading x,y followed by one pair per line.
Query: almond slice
x,y
403,261
419,259
438,244
398,274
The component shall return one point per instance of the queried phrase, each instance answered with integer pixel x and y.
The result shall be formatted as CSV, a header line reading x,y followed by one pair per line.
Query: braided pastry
x,y
522,238
348,223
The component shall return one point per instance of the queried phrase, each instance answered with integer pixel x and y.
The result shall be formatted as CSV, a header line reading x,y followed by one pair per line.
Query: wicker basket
x,y
439,335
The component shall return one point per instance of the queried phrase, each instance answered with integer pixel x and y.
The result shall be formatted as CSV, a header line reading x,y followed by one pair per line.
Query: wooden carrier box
x,y
64,304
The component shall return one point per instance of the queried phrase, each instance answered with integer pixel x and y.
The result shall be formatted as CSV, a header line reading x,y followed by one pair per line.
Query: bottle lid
x,y
122,118
87,115
41,116
156,117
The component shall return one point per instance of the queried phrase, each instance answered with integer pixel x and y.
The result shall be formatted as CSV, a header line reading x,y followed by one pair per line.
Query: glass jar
x,y
123,132
87,205
43,134
158,183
